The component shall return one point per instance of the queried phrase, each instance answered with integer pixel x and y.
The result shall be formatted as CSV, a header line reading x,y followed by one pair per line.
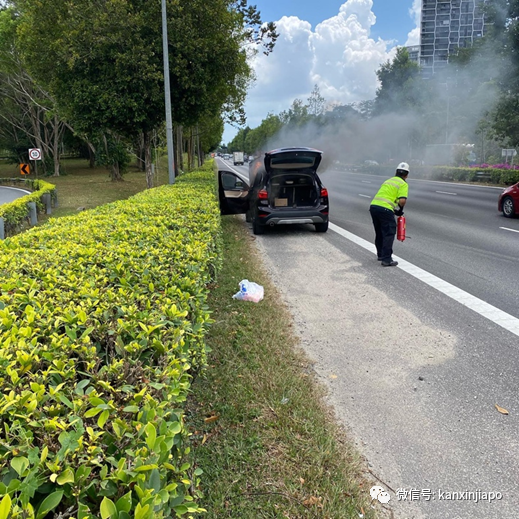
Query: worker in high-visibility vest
x,y
388,202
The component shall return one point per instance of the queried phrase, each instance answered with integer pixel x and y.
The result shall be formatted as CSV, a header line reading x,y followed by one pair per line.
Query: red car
x,y
509,201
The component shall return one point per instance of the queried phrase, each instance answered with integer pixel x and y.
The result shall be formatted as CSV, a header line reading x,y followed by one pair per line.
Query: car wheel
x,y
508,207
257,228
248,217
321,227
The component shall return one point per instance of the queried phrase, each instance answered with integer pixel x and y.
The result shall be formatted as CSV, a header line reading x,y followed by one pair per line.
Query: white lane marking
x,y
507,229
506,321
447,193
365,196
366,182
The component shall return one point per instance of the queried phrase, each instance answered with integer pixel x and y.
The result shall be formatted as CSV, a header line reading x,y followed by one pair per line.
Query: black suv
x,y
283,188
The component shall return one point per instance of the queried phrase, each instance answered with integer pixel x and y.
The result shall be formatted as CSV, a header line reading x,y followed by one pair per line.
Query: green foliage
x,y
316,103
297,115
14,213
102,324
398,90
257,138
112,152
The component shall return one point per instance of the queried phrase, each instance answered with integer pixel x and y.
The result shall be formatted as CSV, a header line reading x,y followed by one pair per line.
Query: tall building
x,y
414,53
446,26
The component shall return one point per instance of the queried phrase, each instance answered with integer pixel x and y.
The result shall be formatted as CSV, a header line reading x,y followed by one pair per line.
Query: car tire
x,y
248,217
257,228
508,207
321,227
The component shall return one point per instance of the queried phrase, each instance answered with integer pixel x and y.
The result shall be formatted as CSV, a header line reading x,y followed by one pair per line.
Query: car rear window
x,y
292,162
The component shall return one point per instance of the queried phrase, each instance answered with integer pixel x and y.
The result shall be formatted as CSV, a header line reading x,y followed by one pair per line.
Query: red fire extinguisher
x,y
400,228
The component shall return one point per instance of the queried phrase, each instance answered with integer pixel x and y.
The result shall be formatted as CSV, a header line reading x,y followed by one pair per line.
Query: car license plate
x,y
280,202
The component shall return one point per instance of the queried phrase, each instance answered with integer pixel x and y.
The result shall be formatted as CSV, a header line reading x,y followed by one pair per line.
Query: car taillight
x,y
324,192
263,195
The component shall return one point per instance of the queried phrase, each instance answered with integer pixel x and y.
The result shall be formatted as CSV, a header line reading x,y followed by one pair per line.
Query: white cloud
x,y
413,38
338,56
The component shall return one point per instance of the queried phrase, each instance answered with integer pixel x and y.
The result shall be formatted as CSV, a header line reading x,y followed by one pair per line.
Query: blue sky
x,y
335,44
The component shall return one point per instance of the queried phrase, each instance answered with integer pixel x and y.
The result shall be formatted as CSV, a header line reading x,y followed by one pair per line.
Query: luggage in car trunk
x,y
293,190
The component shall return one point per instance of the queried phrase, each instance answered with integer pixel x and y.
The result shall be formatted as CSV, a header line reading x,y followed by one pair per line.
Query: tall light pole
x,y
167,94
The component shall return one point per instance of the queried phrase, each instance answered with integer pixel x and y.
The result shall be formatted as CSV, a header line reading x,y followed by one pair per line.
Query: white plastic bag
x,y
249,291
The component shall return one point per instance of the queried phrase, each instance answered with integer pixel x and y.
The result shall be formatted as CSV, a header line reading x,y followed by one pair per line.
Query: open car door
x,y
233,193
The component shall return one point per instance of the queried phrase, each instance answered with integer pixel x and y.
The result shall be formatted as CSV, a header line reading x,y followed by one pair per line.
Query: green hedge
x,y
449,173
102,324
16,212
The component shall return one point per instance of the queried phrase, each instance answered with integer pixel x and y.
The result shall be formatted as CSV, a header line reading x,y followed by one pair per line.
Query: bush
x,y
16,212
102,324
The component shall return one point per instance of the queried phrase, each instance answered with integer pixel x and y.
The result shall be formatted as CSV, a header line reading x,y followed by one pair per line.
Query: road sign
x,y
25,169
35,154
508,153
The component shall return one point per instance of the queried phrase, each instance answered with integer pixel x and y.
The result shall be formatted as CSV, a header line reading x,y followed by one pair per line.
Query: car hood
x,y
292,159
509,189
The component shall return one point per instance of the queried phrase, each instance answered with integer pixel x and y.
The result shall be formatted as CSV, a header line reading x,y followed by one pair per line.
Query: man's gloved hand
x,y
399,211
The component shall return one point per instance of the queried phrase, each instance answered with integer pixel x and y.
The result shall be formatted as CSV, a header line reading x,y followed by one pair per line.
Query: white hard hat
x,y
403,166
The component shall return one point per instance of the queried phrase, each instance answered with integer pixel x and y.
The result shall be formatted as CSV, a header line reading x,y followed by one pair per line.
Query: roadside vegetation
x,y
87,78
263,442
99,339
267,442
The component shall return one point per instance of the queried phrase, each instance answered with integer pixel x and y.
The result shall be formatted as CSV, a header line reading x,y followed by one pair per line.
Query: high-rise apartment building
x,y
446,26
414,53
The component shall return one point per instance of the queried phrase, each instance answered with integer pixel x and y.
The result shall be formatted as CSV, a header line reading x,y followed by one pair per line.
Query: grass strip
x,y
266,441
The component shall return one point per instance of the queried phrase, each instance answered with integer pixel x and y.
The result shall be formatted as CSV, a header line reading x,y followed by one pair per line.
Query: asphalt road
x,y
455,232
413,374
9,194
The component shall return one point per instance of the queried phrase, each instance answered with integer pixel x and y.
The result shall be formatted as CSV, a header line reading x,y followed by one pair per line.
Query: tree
x,y
296,115
506,31
258,138
108,76
28,112
238,143
399,84
316,103
340,114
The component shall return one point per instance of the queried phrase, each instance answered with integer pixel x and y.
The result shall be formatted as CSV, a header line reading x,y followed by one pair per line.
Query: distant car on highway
x,y
509,201
283,188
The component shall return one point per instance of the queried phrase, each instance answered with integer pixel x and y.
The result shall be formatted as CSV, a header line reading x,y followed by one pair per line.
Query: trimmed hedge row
x,y
102,324
449,173
14,213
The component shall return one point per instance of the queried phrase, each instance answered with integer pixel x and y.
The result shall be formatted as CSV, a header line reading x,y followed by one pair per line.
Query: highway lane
x,y
414,375
455,232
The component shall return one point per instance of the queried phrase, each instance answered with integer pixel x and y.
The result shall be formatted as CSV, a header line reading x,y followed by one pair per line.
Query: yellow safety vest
x,y
390,191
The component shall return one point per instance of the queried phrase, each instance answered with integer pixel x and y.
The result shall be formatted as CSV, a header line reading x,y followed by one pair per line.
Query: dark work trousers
x,y
385,230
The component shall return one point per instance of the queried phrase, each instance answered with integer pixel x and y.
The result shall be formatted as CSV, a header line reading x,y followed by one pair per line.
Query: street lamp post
x,y
167,94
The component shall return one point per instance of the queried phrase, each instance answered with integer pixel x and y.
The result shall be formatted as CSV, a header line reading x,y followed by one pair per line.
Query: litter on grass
x,y
249,291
